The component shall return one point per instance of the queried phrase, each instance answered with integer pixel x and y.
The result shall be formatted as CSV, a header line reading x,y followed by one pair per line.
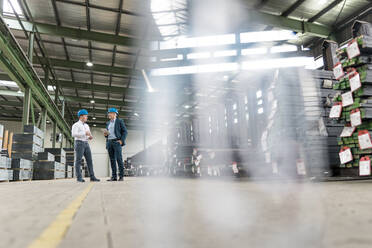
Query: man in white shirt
x,y
82,134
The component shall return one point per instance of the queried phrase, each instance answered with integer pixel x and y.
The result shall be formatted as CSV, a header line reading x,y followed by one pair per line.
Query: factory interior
x,y
184,123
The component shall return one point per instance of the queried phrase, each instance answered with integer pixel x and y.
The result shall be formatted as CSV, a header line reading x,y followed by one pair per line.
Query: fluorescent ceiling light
x,y
8,83
198,55
149,87
258,50
225,53
90,64
193,69
267,36
92,101
94,118
185,42
94,125
277,63
283,48
136,114
51,88
179,57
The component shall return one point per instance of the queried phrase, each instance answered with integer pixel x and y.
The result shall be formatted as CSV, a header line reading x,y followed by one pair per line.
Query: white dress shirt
x,y
79,130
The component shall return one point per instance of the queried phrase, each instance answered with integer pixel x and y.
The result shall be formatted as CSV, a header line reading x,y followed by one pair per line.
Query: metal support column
x,y
46,77
28,103
31,46
63,115
54,134
44,116
32,111
26,107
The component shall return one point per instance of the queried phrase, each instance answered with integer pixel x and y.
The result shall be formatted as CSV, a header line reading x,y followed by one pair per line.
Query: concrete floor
x,y
169,213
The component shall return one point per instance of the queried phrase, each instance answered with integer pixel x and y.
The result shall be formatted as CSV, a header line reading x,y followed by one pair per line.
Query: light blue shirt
x,y
111,129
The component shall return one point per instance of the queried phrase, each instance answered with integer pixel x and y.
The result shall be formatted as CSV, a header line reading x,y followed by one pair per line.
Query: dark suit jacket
x,y
121,131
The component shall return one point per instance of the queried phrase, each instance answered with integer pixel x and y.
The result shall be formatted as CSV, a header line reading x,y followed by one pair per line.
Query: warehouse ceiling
x,y
117,38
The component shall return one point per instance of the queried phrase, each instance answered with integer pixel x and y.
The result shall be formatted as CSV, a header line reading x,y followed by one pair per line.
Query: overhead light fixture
x,y
94,118
92,101
90,64
149,88
186,106
136,114
94,125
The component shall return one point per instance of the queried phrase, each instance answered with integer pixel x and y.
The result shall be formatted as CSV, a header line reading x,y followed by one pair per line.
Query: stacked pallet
x,y
353,107
328,129
280,139
59,154
5,173
46,168
22,169
60,157
28,144
70,160
299,139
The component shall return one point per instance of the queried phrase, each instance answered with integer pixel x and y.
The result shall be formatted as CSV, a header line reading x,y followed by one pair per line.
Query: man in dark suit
x,y
115,134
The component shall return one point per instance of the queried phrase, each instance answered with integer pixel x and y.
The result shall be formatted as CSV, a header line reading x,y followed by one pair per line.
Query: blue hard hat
x,y
113,110
82,112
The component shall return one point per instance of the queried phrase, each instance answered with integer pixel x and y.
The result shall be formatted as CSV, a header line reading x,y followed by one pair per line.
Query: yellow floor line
x,y
55,232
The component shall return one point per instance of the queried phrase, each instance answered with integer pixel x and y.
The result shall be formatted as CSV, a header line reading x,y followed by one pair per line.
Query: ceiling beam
x,y
289,24
92,111
292,8
94,6
76,33
325,10
87,86
80,99
134,105
96,67
11,104
228,59
130,125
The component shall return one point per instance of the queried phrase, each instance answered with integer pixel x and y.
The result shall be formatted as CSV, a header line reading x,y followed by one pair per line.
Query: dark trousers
x,y
82,149
114,149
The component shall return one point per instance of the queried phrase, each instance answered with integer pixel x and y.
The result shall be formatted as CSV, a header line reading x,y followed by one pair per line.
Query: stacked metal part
x,y
70,160
47,167
354,106
292,140
280,139
25,150
22,169
28,144
5,173
321,146
60,162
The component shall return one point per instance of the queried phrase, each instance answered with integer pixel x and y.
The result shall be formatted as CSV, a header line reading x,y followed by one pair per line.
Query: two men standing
x,y
115,134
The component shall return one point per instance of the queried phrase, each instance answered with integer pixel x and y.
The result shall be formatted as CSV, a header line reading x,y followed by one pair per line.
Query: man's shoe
x,y
94,179
121,179
112,179
81,180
